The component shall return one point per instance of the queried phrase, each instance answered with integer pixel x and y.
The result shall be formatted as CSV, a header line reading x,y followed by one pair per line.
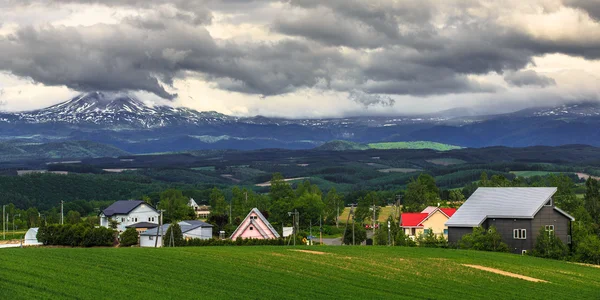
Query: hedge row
x,y
237,242
78,235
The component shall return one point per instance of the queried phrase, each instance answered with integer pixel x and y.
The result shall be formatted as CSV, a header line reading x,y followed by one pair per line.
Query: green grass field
x,y
533,173
385,212
281,273
413,145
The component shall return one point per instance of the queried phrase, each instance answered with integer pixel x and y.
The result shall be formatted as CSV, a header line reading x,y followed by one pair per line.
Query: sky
x,y
303,58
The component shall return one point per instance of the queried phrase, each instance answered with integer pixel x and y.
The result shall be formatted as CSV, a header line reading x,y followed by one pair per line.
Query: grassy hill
x,y
18,150
282,273
342,146
347,145
413,145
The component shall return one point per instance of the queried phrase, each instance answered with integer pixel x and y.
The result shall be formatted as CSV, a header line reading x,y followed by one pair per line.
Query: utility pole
x,y
14,221
374,210
389,233
3,222
62,218
160,220
321,230
310,232
230,205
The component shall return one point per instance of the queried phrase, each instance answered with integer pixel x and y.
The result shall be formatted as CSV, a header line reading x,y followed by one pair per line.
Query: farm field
x,y
290,273
413,145
533,173
385,212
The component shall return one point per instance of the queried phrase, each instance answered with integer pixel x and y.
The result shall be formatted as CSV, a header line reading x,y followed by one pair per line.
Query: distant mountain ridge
x,y
121,120
21,151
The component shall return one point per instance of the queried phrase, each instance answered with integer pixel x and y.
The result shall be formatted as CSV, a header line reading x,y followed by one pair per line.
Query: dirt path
x,y
309,251
509,274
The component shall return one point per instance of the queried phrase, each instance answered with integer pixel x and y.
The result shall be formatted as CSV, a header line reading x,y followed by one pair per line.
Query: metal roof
x,y
142,225
186,226
122,207
509,202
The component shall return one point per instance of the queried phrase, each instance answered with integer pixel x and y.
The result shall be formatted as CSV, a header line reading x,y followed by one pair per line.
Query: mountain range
x,y
121,120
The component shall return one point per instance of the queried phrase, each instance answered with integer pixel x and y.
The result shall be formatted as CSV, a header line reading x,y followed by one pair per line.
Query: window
x,y
122,219
568,239
413,231
446,231
426,231
151,238
251,228
549,228
519,234
549,203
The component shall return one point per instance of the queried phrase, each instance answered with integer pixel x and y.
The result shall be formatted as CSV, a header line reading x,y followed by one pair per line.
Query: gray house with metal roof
x,y
191,229
518,213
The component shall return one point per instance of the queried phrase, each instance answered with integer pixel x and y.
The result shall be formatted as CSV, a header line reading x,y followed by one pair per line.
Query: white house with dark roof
x,y
518,213
255,226
127,213
191,229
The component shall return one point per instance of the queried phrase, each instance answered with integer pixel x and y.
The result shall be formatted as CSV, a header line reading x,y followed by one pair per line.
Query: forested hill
x,y
25,150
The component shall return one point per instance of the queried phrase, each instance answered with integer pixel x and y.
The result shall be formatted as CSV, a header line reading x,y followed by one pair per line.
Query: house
x,y
255,226
518,213
202,211
192,229
142,226
128,212
431,218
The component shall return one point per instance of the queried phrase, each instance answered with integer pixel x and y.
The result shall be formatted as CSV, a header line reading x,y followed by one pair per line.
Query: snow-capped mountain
x,y
121,120
119,110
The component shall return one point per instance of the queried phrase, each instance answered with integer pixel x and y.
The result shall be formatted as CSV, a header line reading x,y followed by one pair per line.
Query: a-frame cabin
x,y
255,226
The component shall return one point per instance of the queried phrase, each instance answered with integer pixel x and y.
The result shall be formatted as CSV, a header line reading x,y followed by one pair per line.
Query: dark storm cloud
x,y
361,47
528,77
592,7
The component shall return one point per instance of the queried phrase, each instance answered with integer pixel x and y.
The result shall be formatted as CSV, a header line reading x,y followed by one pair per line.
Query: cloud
x,y
364,49
528,77
591,7
370,99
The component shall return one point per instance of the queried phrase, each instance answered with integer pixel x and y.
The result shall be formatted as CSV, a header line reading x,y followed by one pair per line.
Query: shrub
x,y
75,235
588,249
177,241
484,240
547,245
401,239
129,237
360,234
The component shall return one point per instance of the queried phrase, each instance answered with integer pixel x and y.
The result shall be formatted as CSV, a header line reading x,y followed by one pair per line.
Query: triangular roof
x,y
192,203
248,222
412,219
508,202
416,219
123,207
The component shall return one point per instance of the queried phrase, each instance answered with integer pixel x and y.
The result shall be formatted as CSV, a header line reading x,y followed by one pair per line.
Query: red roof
x,y
448,211
412,219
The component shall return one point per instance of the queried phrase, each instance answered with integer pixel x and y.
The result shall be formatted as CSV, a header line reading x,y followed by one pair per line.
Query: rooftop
x,y
509,202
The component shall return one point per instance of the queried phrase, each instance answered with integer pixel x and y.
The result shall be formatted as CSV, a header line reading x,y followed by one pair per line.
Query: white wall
x,y
142,213
199,233
148,241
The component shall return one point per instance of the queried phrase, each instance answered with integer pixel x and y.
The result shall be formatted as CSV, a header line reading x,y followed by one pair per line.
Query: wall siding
x,y
456,233
549,216
505,228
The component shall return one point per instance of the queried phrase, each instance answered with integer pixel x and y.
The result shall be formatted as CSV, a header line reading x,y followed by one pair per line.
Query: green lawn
x,y
280,273
414,145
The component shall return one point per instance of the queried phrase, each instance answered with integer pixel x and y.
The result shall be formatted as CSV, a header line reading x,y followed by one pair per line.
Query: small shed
x,y
31,237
